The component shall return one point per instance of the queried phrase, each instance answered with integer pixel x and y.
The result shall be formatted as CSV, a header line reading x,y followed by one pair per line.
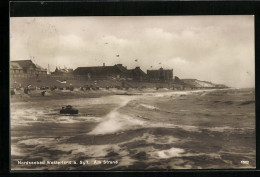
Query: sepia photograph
x,y
129,93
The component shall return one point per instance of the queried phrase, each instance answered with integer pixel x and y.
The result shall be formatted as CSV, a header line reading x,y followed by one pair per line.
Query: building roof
x,y
40,68
101,69
106,70
22,64
64,70
14,65
161,69
137,71
122,68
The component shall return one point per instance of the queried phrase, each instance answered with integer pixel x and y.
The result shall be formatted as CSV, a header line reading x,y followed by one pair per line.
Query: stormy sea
x,y
149,130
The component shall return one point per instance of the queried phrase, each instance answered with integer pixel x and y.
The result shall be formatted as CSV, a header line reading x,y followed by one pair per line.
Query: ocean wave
x,y
248,102
114,122
149,107
169,153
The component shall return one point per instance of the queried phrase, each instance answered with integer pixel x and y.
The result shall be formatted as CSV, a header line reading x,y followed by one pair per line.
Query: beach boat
x,y
69,110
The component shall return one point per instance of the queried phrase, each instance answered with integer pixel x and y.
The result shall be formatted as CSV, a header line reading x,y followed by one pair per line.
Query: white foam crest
x,y
177,93
36,141
225,128
160,140
125,161
169,153
92,151
149,107
152,139
24,117
168,125
72,119
15,151
114,122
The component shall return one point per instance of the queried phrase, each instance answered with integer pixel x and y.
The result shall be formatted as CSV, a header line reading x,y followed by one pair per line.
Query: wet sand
x,y
144,130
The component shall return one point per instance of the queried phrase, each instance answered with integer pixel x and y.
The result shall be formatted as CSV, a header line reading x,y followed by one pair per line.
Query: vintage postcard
x,y
132,93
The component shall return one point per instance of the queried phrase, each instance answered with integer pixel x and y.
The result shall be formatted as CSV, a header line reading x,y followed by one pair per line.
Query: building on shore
x,y
64,73
117,71
160,75
138,74
26,69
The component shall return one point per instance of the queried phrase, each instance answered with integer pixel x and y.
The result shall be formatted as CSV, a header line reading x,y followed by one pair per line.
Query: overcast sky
x,y
219,49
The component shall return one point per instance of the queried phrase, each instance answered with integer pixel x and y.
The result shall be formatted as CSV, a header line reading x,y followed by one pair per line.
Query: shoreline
x,y
35,95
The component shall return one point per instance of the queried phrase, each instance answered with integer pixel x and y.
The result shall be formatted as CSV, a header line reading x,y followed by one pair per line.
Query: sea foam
x,y
115,121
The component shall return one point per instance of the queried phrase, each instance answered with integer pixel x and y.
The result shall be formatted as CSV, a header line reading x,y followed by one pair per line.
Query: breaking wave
x,y
149,107
115,121
169,153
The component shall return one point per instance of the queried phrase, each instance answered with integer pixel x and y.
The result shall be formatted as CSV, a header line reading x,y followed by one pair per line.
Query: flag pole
x,y
118,58
136,60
